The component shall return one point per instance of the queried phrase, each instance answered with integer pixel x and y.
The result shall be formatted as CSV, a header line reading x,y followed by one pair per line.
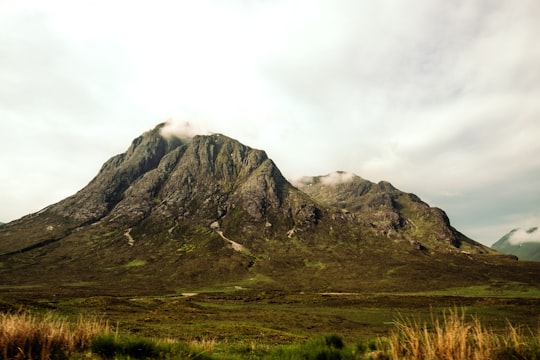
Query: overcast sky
x,y
441,98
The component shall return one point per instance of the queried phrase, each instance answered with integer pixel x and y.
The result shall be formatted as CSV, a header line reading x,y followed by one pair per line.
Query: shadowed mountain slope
x,y
174,214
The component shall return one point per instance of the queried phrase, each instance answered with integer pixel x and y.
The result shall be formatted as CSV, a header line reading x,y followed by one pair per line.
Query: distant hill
x,y
173,214
525,244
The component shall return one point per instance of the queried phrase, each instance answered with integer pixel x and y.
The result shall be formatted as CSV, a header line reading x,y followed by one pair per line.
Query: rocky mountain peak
x,y
172,178
216,173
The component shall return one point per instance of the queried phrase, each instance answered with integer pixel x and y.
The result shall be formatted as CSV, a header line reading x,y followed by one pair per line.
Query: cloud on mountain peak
x,y
521,236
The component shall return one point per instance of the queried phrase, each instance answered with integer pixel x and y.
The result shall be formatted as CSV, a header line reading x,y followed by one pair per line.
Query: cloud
x,y
182,129
334,178
521,236
337,177
490,223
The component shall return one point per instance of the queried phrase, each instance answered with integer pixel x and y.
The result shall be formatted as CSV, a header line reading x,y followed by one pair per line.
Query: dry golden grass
x,y
460,338
204,345
26,336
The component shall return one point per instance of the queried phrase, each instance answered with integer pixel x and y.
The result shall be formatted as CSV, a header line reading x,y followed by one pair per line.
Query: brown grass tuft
x,y
460,338
203,345
25,336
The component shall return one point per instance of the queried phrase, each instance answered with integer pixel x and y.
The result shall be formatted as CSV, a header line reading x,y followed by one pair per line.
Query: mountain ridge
x,y
382,206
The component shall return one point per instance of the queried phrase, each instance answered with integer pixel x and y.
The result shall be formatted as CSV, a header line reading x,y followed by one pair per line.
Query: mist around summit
x,y
524,243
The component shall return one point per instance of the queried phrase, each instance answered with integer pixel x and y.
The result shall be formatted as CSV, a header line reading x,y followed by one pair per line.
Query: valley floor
x,y
243,318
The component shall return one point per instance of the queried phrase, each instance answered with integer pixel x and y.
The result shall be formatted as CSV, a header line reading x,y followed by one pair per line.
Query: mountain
x,y
388,211
525,244
175,214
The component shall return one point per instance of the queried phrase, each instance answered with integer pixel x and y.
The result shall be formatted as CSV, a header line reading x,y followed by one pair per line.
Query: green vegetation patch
x,y
135,263
314,264
507,289
109,346
186,248
329,347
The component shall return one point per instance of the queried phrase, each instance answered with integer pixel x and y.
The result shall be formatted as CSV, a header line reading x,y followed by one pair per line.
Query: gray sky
x,y
438,97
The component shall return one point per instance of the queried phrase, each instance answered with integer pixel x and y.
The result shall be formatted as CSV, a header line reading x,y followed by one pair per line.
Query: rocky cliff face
x,y
117,177
209,209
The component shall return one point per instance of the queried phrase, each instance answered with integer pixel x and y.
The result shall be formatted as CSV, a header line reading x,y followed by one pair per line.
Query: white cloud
x,y
182,129
337,177
521,236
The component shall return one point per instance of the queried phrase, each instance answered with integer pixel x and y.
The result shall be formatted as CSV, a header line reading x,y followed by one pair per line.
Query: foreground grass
x,y
457,337
49,336
109,346
25,336
453,336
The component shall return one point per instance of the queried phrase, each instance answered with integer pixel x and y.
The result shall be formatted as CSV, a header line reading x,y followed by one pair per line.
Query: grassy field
x,y
239,323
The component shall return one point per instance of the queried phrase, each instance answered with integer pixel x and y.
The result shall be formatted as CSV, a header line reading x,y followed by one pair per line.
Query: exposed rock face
x,y
385,210
116,176
217,173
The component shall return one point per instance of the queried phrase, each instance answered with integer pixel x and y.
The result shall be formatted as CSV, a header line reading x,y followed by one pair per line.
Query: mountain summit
x,y
523,243
172,214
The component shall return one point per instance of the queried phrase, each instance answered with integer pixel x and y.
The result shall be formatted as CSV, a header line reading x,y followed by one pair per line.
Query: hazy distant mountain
x,y
525,244
172,214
